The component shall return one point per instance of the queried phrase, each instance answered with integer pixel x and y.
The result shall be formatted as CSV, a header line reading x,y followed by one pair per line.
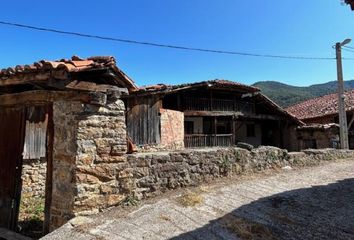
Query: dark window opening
x,y
189,127
223,127
207,126
251,130
310,143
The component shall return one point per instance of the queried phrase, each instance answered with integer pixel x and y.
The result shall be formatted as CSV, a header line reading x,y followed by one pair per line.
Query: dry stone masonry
x,y
89,159
92,172
158,172
33,177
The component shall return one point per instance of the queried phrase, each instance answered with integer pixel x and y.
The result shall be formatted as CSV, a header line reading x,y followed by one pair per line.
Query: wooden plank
x,y
264,116
211,113
49,177
12,128
36,127
233,131
91,86
215,129
351,121
30,98
25,78
143,121
158,121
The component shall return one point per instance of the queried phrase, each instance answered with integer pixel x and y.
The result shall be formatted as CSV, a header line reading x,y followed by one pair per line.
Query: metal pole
x,y
341,104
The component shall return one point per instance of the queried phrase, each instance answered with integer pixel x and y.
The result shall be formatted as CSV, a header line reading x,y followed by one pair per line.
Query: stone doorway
x,y
34,172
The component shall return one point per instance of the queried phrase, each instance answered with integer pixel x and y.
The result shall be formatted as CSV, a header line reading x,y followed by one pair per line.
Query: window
x,y
188,127
310,143
223,126
251,131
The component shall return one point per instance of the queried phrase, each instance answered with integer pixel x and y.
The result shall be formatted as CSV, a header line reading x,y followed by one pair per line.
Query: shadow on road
x,y
319,212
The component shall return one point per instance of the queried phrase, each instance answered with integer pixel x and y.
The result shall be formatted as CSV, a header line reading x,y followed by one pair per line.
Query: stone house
x,y
72,117
318,136
324,110
69,113
206,114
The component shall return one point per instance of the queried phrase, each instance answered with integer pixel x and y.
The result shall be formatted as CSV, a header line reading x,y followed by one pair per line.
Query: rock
x,y
287,168
243,145
78,221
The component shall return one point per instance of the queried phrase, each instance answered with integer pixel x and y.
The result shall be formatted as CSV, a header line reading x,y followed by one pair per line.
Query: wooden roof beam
x,y
38,97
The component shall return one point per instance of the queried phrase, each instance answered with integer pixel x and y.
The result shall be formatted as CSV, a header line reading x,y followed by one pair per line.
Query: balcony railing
x,y
207,104
207,140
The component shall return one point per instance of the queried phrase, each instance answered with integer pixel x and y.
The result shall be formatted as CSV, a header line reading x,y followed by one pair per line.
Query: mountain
x,y
286,95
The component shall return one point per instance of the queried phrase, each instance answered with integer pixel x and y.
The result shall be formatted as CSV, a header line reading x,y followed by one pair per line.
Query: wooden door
x,y
12,131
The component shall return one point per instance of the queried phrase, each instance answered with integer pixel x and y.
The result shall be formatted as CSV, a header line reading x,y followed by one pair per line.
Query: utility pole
x,y
344,144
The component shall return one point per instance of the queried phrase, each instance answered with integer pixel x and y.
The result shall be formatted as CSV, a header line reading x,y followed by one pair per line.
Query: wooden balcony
x,y
207,104
207,140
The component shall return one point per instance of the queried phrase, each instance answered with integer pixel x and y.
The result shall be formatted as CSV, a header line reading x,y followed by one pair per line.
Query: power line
x,y
162,45
348,49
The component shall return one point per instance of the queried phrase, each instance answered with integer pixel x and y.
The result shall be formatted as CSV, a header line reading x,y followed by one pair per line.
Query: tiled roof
x,y
321,106
75,64
211,83
227,84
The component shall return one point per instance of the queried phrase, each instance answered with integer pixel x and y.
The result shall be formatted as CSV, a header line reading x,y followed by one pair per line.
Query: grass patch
x,y
31,216
130,200
246,229
190,199
165,218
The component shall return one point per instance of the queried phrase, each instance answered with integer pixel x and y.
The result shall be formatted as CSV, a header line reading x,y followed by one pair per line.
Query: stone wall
x,y
92,172
323,136
172,129
158,172
33,177
89,152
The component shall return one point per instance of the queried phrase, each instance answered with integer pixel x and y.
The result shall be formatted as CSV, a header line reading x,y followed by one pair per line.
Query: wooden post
x,y
233,130
351,121
215,129
49,177
211,101
179,102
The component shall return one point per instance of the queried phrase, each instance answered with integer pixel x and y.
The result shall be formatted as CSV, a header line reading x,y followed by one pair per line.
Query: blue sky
x,y
287,27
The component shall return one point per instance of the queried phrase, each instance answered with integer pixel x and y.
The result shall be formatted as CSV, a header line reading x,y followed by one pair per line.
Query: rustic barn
x,y
42,107
317,136
210,113
324,110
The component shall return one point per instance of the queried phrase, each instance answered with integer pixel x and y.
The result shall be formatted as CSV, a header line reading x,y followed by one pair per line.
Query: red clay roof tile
x,y
321,106
216,83
75,64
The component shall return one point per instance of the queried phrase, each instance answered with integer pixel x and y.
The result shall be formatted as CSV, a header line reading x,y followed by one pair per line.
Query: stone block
x,y
114,199
246,146
86,178
107,158
127,185
126,173
118,150
85,159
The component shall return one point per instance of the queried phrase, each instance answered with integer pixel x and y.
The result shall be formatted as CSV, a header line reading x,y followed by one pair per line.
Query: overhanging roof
x,y
321,106
217,83
44,70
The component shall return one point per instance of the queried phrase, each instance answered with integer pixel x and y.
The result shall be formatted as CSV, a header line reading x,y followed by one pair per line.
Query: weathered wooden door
x,y
12,130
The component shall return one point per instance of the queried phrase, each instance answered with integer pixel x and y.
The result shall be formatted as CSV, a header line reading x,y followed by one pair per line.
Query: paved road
x,y
312,203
